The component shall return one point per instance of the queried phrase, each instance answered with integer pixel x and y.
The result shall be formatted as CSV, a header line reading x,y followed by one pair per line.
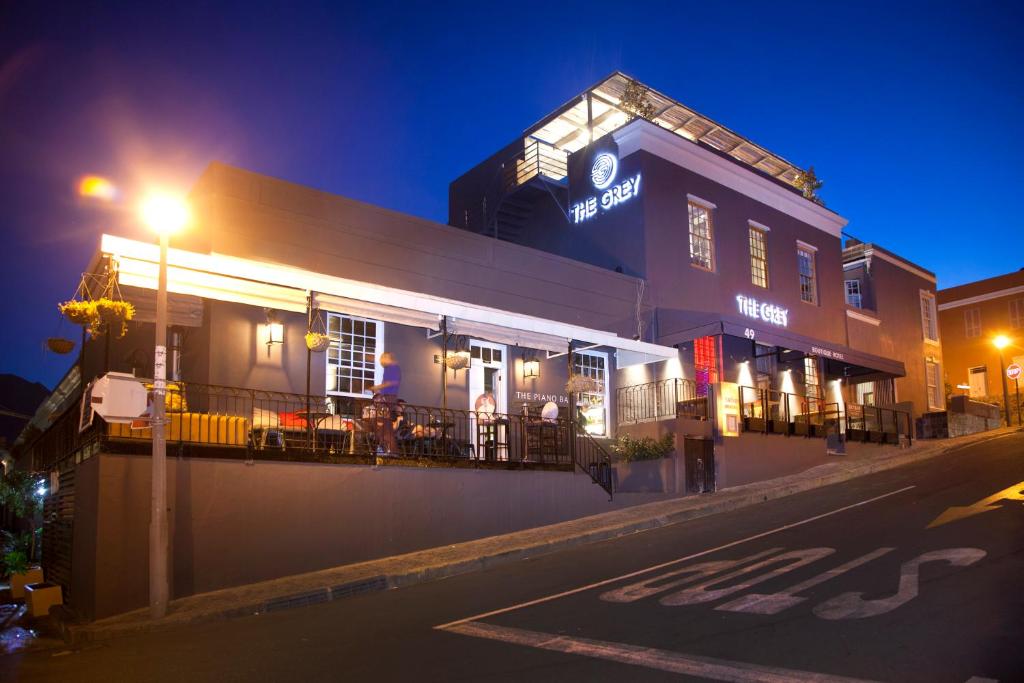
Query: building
x,y
971,316
645,275
885,296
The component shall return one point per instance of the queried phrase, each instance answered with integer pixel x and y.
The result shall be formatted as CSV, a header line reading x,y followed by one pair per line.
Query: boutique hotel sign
x,y
758,310
602,175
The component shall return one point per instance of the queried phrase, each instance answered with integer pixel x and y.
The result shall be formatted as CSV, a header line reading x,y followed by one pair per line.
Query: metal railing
x,y
280,425
660,400
537,159
767,410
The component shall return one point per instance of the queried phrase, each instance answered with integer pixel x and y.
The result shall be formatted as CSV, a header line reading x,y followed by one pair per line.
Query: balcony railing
x,y
769,411
213,420
661,400
537,159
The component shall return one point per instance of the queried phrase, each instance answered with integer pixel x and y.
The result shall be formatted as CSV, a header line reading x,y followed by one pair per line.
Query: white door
x,y
488,395
978,381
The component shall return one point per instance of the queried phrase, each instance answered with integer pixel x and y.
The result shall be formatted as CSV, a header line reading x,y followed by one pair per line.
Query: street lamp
x,y
165,215
1001,342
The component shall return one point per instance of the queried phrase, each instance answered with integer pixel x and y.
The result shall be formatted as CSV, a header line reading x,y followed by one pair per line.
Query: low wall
x,y
233,523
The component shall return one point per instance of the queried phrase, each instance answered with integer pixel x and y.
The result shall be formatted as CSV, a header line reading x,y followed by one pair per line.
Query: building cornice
x,y
998,294
642,135
923,274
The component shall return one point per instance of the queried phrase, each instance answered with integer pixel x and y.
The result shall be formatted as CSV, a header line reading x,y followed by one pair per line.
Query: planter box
x,y
40,597
856,435
19,581
753,424
801,429
780,427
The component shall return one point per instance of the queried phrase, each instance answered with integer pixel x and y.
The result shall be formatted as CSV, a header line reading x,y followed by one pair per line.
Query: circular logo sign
x,y
602,173
1013,370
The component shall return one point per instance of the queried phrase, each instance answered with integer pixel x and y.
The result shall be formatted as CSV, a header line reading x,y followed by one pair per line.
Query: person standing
x,y
385,400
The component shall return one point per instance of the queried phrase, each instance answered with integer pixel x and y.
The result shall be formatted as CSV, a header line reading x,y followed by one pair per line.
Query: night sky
x,y
909,113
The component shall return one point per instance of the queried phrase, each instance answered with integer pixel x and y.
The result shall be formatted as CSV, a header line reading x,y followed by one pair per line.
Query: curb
x,y
591,531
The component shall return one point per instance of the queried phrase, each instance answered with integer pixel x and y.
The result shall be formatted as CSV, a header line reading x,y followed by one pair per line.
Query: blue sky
x,y
908,111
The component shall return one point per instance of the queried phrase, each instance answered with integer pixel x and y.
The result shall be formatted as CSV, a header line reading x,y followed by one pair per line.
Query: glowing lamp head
x,y
531,368
97,187
165,214
1001,342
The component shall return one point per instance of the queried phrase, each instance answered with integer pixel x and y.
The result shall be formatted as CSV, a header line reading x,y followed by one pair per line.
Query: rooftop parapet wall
x,y
249,215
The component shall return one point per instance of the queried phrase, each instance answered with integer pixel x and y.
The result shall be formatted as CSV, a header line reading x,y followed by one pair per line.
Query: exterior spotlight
x,y
531,368
165,214
1001,342
275,330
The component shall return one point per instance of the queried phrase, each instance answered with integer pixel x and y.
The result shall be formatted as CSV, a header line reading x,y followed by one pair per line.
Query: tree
x,y
809,184
634,101
19,492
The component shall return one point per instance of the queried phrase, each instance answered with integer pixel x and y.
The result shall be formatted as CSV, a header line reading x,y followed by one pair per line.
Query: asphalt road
x,y
845,582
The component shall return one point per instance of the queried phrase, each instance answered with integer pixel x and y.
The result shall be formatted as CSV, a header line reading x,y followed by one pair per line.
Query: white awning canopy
x,y
228,278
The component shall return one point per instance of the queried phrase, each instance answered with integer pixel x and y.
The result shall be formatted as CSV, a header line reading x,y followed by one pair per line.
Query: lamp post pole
x,y
158,534
1006,393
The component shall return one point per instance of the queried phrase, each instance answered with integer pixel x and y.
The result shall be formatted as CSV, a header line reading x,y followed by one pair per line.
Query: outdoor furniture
x,y
492,437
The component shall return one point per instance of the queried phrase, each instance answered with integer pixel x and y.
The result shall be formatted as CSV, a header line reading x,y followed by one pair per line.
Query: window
x,y
812,384
352,354
929,322
808,284
1017,313
705,363
701,245
972,322
592,406
758,256
931,376
853,293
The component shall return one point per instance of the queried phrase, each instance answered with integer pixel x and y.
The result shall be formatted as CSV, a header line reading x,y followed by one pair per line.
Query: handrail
x,y
537,159
593,459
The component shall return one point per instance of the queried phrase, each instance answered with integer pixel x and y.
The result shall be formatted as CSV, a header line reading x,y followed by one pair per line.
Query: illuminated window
x,y
929,322
593,405
352,354
812,384
705,363
701,245
853,296
931,374
758,257
1017,313
808,278
972,322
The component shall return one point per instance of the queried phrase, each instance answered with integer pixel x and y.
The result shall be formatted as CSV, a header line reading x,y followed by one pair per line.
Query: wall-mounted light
x,y
275,330
531,368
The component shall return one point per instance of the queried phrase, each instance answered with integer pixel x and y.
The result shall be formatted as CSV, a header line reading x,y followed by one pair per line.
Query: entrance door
x,y
488,396
699,461
979,381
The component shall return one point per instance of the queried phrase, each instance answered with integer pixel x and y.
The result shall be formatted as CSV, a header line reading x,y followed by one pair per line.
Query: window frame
x,y
972,322
812,252
606,399
1016,317
329,367
939,402
762,232
708,208
859,294
933,317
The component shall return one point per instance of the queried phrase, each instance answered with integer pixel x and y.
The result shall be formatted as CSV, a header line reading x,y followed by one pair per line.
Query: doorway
x,y
488,400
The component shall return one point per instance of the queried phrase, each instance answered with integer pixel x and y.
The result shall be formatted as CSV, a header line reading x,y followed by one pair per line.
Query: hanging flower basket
x,y
317,342
78,312
60,345
457,361
578,384
99,315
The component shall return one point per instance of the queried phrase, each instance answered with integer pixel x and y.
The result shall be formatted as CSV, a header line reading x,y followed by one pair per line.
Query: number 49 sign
x,y
1013,370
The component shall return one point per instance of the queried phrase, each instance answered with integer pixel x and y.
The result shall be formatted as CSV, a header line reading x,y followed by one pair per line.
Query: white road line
x,y
649,657
656,567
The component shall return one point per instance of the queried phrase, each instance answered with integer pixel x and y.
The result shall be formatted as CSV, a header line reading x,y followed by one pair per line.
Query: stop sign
x,y
1013,370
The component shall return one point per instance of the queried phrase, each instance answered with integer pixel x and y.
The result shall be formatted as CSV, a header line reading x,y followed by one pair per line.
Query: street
x,y
916,574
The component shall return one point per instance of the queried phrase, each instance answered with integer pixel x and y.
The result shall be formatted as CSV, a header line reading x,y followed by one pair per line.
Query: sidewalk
x,y
436,563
